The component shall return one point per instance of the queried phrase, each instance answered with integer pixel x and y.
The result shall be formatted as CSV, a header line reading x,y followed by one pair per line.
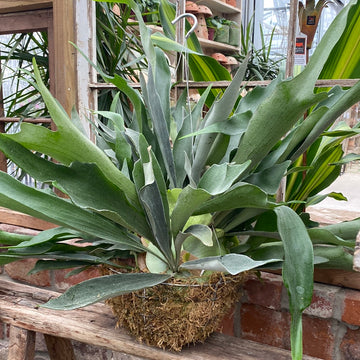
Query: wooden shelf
x,y
217,46
222,9
219,6
10,6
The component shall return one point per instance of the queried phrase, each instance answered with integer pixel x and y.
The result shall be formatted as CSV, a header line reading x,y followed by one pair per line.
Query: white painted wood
x,y
85,35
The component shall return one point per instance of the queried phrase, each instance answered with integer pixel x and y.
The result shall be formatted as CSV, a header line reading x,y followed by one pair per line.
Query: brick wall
x,y
330,325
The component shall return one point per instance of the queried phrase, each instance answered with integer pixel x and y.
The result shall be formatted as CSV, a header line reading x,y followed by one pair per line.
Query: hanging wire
x,y
185,57
192,28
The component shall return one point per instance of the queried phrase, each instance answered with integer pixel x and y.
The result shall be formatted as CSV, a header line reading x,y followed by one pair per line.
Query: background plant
x,y
21,99
314,170
24,100
263,64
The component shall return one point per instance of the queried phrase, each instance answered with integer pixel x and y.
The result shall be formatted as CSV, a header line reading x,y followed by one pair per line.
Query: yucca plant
x,y
174,184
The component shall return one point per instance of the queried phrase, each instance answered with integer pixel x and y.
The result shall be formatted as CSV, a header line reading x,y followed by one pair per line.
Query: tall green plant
x,y
316,169
119,50
343,62
24,100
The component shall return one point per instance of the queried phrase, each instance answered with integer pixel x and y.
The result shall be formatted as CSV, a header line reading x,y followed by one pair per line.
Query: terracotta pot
x,y
220,57
231,2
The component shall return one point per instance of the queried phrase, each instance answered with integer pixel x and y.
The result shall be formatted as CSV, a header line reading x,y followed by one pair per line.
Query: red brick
x,y
318,337
272,327
351,312
265,291
350,346
264,325
63,283
323,301
227,325
19,270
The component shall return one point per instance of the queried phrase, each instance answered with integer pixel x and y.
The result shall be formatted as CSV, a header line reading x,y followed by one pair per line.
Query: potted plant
x,y
223,31
170,197
234,34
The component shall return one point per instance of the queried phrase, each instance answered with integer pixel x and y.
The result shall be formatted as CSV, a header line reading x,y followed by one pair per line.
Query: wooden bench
x,y
19,307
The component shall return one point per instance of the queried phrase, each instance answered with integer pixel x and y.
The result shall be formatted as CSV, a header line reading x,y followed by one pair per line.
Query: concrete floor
x,y
333,210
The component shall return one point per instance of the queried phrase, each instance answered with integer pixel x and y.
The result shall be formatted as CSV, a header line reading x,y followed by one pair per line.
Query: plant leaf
x,y
154,208
231,263
298,270
102,288
187,202
42,265
49,235
236,125
269,179
324,236
202,233
110,202
7,238
346,159
219,112
16,196
219,178
239,196
68,144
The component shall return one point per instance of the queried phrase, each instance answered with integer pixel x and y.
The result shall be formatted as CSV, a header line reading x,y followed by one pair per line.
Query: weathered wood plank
x,y
16,218
224,84
29,120
337,277
343,278
65,53
27,21
21,344
292,29
9,6
95,325
59,348
85,15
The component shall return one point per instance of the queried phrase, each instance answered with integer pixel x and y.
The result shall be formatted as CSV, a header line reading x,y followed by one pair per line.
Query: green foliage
x,y
166,180
344,58
323,159
24,101
118,48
